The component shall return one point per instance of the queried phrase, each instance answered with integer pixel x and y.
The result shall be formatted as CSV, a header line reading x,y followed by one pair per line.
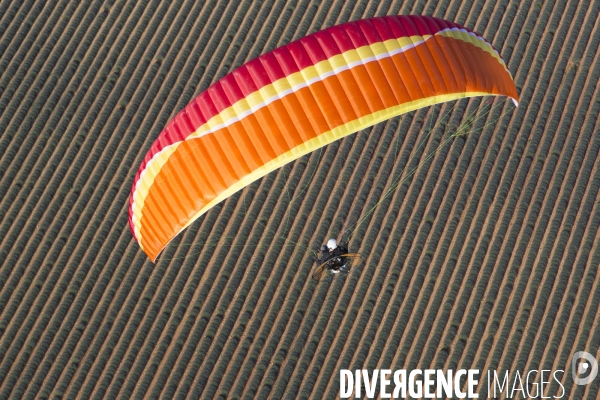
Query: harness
x,y
334,258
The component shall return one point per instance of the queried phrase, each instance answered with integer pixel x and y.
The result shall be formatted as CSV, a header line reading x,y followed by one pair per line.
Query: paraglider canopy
x,y
296,99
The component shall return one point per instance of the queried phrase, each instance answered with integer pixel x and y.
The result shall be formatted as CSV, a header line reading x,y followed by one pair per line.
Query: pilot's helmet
x,y
332,244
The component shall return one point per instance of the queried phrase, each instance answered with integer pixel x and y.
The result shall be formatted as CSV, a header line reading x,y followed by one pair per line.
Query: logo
x,y
581,368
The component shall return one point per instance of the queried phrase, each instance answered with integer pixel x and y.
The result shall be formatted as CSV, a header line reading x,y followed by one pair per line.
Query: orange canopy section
x,y
296,99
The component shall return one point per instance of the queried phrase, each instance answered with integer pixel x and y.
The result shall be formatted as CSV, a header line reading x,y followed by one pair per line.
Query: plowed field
x,y
486,258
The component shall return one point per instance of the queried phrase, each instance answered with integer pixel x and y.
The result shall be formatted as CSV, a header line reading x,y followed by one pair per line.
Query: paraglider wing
x,y
296,99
